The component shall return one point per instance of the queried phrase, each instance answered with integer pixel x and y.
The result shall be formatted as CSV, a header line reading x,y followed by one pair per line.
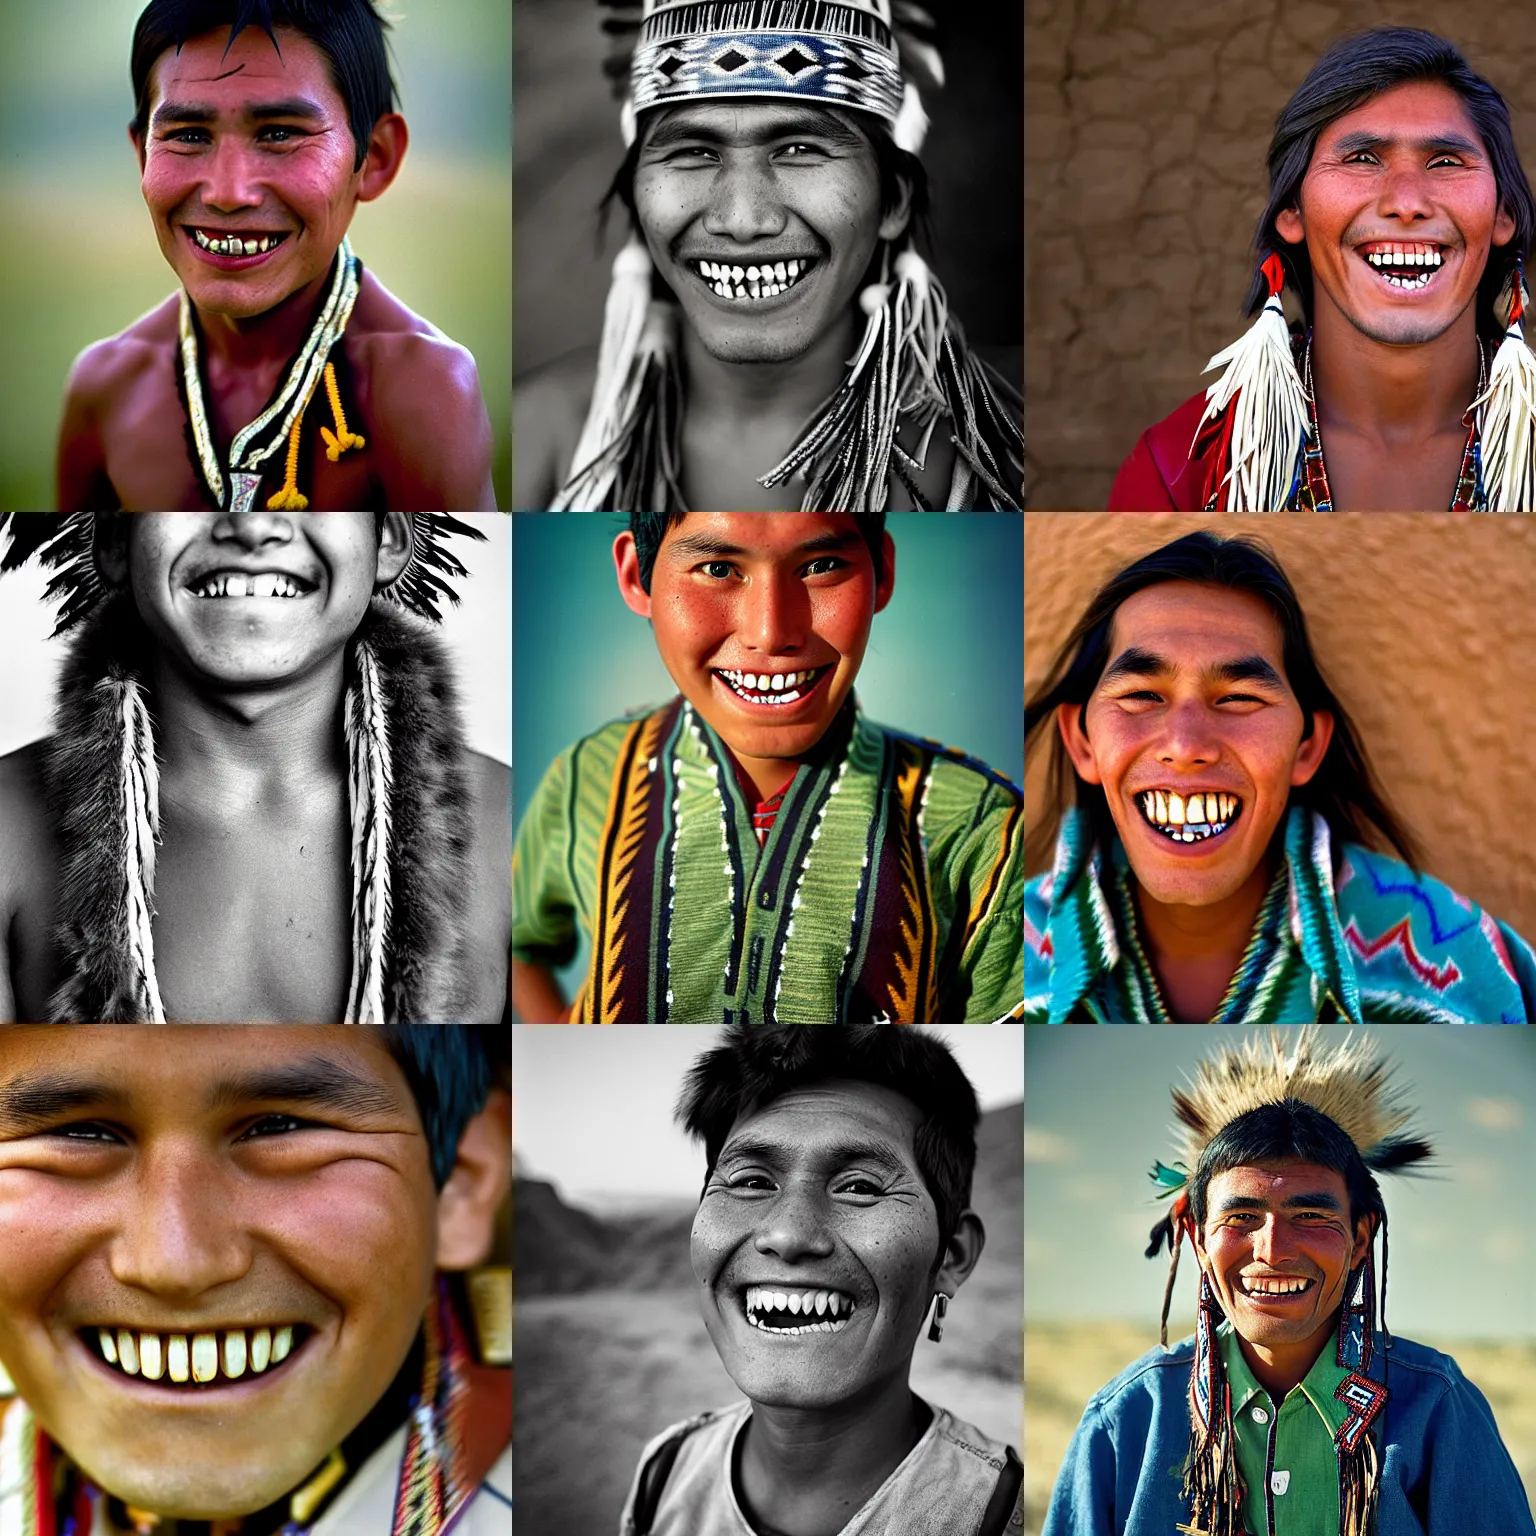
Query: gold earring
x,y
490,1300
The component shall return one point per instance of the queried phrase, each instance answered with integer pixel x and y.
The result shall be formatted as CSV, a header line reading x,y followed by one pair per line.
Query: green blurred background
x,y
945,658
78,258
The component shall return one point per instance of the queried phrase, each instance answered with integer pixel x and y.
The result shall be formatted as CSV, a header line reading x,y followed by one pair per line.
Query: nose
x,y
1273,1242
253,530
233,178
176,1239
744,203
775,614
1189,739
1406,193
794,1228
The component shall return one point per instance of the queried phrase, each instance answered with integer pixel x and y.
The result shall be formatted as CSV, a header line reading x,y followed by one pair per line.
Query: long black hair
x,y
1343,790
1345,77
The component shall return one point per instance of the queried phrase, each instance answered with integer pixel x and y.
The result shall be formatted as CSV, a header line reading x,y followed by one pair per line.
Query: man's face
x,y
760,186
194,1181
818,1195
1398,210
1278,1245
252,598
1194,706
253,145
765,595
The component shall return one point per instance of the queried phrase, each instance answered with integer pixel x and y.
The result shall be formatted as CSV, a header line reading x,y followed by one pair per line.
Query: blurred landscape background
x,y
78,256
610,1345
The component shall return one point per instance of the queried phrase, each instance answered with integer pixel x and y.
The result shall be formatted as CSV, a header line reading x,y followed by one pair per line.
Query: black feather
x,y
1395,1153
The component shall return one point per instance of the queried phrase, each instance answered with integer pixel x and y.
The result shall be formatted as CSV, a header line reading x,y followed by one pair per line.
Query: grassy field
x,y
600,1373
1065,1364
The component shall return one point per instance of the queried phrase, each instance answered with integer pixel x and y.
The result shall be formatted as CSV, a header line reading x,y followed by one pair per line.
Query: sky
x,y
1098,1112
592,1108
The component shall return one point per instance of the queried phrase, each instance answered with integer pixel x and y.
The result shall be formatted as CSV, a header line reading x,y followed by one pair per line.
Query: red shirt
x,y
1159,475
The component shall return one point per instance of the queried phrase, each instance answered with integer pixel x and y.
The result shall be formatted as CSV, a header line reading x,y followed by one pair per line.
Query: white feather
x,y
1506,426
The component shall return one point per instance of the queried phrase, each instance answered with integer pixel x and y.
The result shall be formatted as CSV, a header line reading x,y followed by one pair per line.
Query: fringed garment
x,y
888,888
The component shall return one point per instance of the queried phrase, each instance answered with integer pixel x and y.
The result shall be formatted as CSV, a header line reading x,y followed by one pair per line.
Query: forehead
x,y
1418,109
1274,1183
767,534
209,68
751,122
1192,625
812,1119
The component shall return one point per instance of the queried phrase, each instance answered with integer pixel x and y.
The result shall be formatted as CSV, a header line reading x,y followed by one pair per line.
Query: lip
x,y
750,306
1207,845
1391,288
771,711
191,1399
231,263
1254,1300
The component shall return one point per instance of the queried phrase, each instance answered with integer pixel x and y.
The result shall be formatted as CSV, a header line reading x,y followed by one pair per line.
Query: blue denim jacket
x,y
1445,1470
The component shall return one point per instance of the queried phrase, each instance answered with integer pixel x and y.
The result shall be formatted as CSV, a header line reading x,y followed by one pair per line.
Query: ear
x,y
1503,225
137,140
960,1256
1069,722
109,548
626,562
1290,227
466,1209
1365,1230
397,542
386,150
894,224
884,589
1312,751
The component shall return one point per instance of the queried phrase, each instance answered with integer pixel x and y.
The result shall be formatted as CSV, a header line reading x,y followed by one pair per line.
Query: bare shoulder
x,y
549,409
491,780
106,367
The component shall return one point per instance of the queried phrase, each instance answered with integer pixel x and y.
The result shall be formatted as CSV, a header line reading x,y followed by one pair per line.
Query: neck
x,y
1281,1368
269,339
1195,951
227,752
766,775
729,395
1389,393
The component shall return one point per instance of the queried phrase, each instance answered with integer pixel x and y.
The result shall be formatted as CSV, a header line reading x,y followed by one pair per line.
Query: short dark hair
x,y
350,33
755,1064
893,165
1287,1130
650,528
1351,72
451,1069
1343,790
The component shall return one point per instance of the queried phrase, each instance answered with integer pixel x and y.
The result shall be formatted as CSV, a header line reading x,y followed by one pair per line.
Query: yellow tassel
x,y
337,442
288,499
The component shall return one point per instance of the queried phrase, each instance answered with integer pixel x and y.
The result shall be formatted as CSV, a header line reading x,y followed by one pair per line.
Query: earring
x,y
940,1307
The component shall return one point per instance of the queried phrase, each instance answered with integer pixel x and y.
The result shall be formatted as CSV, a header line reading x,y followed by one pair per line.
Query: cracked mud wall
x,y
1146,128
1421,623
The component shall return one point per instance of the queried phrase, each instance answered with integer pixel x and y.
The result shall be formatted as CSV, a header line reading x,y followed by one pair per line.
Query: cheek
x,y
45,1224
664,203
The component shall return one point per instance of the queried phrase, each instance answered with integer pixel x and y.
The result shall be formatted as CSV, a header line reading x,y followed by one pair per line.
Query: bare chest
x,y
1366,477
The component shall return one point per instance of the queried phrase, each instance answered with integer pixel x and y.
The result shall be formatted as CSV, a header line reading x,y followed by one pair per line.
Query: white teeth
x,y
234,1353
1175,808
821,1302
282,1342
127,1352
776,682
752,274
176,1357
261,1350
205,1357
150,1361
108,1345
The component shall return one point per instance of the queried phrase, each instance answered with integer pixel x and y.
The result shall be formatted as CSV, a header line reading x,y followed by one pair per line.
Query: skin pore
x,y
820,1189
215,1177
1194,700
1395,368
1286,1219
748,592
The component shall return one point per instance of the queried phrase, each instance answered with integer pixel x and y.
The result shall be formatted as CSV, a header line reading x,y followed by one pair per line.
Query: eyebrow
x,y
1318,1200
836,1155
316,1081
783,125
1441,143
201,113
704,546
1133,661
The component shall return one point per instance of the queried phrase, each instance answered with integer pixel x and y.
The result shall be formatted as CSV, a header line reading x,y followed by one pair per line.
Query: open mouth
x,y
221,584
777,688
796,1312
198,1360
1274,1287
744,284
233,245
1409,265
1189,818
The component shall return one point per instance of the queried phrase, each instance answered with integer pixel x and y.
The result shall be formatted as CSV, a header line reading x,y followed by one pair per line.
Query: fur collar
x,y
102,787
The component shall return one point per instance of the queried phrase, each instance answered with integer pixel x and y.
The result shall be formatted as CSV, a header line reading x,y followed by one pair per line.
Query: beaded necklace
x,y
283,418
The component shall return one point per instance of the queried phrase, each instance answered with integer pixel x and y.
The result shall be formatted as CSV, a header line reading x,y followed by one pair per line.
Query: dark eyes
x,y
722,570
88,1131
1157,698
200,135
1368,157
797,150
852,1186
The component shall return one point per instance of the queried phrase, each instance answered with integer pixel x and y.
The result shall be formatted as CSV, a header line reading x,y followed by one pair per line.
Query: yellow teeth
x,y
282,1342
205,1357
261,1350
234,1354
176,1364
227,1354
127,1352
108,1345
149,1356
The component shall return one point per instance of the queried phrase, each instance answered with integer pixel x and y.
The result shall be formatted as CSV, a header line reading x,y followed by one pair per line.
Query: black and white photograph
x,y
768,1279
768,255
255,767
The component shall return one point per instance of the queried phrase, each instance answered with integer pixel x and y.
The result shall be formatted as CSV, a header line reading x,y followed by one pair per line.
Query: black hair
x,y
1343,790
451,1069
755,1064
893,165
650,528
350,33
1351,72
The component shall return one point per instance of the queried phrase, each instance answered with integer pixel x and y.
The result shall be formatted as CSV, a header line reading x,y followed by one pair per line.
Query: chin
x,y
192,1491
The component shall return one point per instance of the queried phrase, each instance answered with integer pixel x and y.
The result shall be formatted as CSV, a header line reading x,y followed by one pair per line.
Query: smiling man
x,y
834,1218
1401,216
771,319
257,802
231,1268
866,874
282,374
1215,862
1292,1411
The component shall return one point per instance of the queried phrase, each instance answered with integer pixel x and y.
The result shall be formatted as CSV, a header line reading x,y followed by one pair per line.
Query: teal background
x,y
78,257
945,658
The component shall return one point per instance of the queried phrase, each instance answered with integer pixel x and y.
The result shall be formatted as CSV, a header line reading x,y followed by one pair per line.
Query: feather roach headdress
x,y
1352,1087
875,57
408,793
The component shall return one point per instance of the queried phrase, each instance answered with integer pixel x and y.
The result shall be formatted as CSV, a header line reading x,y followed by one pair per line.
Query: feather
x,y
369,793
1506,417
